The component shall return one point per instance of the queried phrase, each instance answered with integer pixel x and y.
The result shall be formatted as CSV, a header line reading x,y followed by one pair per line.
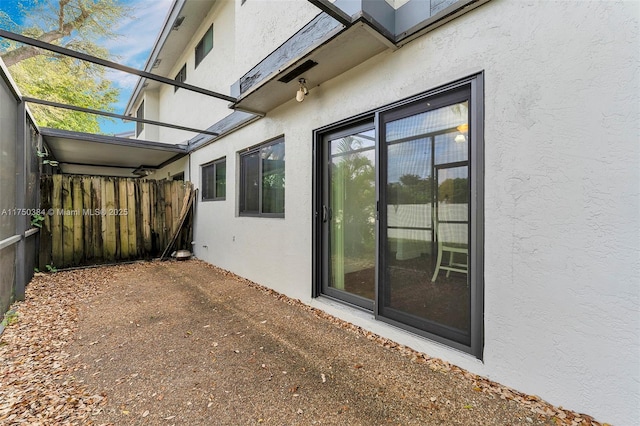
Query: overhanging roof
x,y
179,27
344,35
84,153
333,47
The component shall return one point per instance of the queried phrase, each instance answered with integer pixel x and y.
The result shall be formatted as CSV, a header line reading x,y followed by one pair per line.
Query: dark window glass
x,y
262,180
204,46
181,76
426,257
140,114
214,180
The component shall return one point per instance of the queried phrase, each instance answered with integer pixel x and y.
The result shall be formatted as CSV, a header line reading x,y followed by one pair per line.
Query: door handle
x,y
325,213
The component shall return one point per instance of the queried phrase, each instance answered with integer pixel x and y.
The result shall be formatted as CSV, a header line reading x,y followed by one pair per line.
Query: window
x,y
214,180
181,77
262,180
204,46
140,115
399,213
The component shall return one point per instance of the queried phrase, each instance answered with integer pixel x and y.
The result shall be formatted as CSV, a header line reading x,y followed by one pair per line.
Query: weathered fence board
x,y
94,220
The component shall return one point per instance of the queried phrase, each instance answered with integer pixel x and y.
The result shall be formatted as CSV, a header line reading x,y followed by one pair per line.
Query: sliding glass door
x,y
399,208
425,238
349,215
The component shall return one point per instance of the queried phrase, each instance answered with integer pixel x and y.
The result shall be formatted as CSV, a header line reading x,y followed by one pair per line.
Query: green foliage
x,y
66,81
36,220
51,268
75,24
9,318
353,175
454,190
412,189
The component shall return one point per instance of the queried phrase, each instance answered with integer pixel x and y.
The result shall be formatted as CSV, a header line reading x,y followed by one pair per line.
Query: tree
x,y
75,24
454,191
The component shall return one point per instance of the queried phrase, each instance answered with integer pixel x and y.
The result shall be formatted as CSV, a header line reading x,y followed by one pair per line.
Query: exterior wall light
x,y
302,91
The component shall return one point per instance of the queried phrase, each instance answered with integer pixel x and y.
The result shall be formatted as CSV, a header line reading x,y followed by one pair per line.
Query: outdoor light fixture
x,y
179,20
302,91
143,172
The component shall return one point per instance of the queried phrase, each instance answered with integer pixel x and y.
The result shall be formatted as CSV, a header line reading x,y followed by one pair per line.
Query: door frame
x,y
321,237
475,82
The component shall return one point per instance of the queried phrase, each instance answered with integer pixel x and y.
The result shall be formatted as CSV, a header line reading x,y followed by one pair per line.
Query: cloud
x,y
138,33
122,79
137,37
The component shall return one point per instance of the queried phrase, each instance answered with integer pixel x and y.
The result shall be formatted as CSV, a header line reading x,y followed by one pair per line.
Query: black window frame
x,y
140,115
213,184
242,210
181,77
475,85
200,54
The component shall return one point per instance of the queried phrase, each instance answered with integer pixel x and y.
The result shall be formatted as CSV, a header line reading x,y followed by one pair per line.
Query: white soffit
x,y
107,151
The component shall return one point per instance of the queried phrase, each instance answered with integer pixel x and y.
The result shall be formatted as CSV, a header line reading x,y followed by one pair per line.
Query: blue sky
x,y
138,34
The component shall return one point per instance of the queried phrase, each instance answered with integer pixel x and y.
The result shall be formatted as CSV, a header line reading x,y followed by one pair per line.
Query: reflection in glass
x,y
221,179
273,178
352,214
251,191
427,182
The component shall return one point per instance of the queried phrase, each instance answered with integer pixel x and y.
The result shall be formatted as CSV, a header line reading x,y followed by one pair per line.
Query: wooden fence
x,y
92,220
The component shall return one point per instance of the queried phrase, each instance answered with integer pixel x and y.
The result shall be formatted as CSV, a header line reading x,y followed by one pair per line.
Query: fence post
x,y
21,191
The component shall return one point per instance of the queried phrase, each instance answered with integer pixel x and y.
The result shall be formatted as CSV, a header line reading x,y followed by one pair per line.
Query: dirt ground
x,y
185,343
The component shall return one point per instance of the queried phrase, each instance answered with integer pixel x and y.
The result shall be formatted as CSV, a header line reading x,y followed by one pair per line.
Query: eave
x,y
346,34
85,153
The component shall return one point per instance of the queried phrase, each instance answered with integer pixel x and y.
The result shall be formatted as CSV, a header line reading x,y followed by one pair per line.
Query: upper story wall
x,y
262,26
215,72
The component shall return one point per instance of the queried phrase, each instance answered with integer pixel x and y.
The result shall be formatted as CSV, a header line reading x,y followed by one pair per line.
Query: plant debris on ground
x,y
171,343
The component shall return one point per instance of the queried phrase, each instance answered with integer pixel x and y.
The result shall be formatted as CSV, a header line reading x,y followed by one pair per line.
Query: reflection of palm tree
x,y
353,192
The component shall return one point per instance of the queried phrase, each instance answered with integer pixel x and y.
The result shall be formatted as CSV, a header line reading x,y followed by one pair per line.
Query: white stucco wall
x,y
216,72
151,112
262,26
179,166
562,193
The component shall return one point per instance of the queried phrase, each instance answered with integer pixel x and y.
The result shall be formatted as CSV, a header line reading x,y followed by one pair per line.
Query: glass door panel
x,y
425,243
350,217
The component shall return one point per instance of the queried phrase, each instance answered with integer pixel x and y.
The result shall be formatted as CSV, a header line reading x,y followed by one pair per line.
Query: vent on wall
x,y
305,66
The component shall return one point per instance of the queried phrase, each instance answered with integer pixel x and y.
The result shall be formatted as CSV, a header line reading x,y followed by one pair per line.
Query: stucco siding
x,y
265,25
562,195
216,72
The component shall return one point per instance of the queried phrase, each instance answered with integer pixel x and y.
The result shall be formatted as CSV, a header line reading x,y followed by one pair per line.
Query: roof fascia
x,y
400,25
411,23
334,11
224,127
317,31
112,140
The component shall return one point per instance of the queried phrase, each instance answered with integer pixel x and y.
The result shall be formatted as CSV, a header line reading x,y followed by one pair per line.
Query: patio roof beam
x,y
333,11
109,64
114,115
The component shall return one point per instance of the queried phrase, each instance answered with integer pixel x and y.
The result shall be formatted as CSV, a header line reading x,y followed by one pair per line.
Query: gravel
x,y
186,343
